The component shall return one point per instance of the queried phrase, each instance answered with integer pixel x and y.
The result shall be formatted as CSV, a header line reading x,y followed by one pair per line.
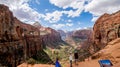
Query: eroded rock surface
x,y
49,36
106,29
18,40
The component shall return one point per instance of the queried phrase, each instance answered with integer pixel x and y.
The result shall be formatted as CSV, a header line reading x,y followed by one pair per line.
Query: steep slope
x,y
111,51
50,37
106,29
78,37
82,34
62,34
18,40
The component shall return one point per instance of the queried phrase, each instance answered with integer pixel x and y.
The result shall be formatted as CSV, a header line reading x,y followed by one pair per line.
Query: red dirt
x,y
35,65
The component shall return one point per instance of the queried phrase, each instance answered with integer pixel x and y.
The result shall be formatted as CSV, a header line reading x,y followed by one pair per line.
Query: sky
x,y
64,15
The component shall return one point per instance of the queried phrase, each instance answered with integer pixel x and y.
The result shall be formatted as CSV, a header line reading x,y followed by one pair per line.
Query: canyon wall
x,y
18,41
82,34
106,29
50,37
77,38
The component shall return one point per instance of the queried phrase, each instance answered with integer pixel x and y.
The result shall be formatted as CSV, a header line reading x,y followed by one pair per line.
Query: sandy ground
x,y
93,63
35,65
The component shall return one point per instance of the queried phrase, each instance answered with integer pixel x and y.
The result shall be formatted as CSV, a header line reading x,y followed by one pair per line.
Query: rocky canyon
x,y
20,41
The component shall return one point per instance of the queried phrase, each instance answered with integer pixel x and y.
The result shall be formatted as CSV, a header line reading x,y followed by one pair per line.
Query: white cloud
x,y
61,3
22,10
53,17
69,20
79,6
75,4
79,28
46,10
99,7
37,1
88,1
69,24
58,26
88,28
94,18
85,28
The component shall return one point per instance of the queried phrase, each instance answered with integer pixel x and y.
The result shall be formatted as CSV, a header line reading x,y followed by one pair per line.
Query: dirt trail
x,y
93,63
35,65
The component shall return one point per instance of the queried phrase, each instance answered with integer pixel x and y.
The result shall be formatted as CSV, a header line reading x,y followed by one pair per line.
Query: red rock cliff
x,y
106,29
49,36
82,34
18,40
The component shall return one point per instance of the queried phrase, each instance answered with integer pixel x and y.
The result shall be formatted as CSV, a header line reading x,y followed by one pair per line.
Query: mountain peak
x,y
37,24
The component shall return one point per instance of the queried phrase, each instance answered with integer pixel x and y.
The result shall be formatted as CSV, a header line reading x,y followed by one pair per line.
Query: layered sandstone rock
x,y
7,27
18,40
106,29
82,34
78,37
49,36
62,34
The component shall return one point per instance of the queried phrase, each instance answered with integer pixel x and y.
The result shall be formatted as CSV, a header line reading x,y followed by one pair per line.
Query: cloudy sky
x,y
61,14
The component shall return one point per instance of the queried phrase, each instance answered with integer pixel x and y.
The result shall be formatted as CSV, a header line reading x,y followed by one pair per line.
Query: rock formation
x,y
77,38
106,29
62,34
82,34
18,40
49,36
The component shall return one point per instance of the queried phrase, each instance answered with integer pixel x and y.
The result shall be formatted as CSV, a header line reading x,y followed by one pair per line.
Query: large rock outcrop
x,y
18,40
106,29
49,36
62,34
77,38
82,34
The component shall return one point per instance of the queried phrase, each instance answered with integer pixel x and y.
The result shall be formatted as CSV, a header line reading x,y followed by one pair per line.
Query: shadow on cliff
x,y
42,57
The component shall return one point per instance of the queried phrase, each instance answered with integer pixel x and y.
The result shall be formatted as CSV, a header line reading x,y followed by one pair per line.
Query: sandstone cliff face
x,y
78,37
49,36
18,40
106,29
62,34
82,34
6,24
